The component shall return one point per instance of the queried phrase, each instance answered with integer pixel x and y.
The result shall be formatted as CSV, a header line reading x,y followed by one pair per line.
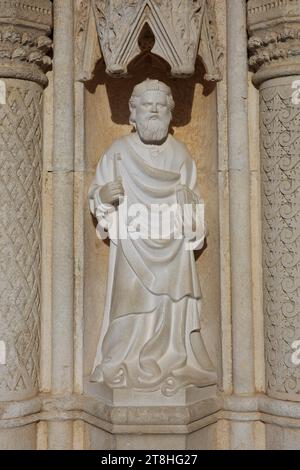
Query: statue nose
x,y
154,108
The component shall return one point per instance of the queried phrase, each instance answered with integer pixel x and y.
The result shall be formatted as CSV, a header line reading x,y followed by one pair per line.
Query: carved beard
x,y
152,130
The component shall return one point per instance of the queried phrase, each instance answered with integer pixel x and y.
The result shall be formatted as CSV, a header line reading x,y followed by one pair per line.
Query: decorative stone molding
x,y
260,11
182,30
24,42
274,47
37,12
83,12
274,44
280,148
20,250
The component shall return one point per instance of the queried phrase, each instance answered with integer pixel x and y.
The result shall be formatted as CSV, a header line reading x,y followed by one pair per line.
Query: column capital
x,y
274,44
25,27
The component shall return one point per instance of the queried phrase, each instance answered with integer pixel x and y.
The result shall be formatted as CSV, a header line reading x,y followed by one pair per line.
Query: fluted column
x,y
24,43
274,45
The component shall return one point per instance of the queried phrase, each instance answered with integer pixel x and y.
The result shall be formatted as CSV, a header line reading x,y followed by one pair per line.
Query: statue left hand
x,y
188,201
185,195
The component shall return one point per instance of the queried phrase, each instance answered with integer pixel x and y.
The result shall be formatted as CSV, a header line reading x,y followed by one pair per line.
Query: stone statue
x,y
150,337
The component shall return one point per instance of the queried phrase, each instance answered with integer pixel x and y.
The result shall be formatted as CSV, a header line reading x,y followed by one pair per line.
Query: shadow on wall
x,y
149,65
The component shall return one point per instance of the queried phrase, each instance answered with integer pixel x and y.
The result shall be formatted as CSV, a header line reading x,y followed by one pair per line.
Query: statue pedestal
x,y
130,398
184,397
150,420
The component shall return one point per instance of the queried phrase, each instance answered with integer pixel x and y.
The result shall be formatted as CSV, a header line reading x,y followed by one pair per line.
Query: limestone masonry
x,y
183,330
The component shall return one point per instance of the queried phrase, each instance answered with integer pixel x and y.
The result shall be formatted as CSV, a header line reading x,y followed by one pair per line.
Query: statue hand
x,y
192,216
184,195
111,192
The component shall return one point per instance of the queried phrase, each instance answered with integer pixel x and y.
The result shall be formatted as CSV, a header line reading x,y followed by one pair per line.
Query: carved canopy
x,y
182,30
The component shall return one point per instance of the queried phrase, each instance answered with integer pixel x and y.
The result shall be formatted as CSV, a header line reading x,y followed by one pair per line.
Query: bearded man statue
x,y
150,338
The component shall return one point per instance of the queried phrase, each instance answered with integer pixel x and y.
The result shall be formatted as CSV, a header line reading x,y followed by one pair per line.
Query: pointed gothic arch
x,y
183,30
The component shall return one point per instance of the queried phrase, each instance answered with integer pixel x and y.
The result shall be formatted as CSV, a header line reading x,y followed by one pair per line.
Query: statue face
x,y
153,116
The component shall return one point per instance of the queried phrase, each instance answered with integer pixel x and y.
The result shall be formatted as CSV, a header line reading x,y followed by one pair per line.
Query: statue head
x,y
151,105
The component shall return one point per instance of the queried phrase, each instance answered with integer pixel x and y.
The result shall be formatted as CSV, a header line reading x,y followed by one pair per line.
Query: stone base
x,y
203,439
18,438
150,420
184,397
123,397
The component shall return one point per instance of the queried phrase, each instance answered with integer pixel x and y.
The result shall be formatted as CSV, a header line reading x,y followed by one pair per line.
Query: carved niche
x,y
182,29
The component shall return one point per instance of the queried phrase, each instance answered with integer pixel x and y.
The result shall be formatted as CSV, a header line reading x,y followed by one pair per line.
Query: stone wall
x,y
240,121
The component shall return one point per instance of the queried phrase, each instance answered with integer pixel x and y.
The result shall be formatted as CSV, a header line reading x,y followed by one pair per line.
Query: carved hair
x,y
149,85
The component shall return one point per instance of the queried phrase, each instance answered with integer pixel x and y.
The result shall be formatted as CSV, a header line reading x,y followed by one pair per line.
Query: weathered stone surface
x,y
20,224
274,47
280,147
181,30
24,44
81,122
274,43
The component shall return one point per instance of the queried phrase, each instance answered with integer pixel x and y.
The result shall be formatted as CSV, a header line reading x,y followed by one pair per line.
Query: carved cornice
x,y
34,11
24,42
274,43
260,11
182,29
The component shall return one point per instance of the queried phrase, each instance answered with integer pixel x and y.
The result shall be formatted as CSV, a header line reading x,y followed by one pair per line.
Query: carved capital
x,y
24,43
274,44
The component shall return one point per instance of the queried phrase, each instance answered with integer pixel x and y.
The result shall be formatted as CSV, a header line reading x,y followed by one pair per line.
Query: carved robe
x,y
150,338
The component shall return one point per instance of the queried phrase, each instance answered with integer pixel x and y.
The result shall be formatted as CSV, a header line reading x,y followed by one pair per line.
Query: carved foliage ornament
x,y
274,44
182,29
24,42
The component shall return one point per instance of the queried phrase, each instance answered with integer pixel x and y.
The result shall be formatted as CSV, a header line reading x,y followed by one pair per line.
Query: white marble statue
x,y
150,338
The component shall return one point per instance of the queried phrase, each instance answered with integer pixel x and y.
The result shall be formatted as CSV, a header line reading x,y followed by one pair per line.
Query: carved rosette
x,y
24,45
274,49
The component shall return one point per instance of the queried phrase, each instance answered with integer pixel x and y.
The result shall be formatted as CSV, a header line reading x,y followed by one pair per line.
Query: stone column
x,y
24,43
61,431
241,431
274,45
239,180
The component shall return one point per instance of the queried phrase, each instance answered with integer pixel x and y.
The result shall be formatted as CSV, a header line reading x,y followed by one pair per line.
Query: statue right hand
x,y
111,192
